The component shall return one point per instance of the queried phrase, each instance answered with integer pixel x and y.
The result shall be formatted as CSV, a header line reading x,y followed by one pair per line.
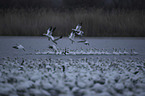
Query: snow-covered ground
x,y
34,45
72,77
107,67
91,51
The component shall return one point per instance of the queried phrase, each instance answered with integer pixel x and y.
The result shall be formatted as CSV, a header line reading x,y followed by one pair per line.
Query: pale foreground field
x,y
72,77
23,73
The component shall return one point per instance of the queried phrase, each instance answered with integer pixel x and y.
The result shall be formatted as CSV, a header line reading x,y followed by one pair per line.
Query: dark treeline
x,y
99,17
96,22
73,4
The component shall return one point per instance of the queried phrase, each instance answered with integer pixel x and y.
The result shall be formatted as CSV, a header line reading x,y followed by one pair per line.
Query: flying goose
x,y
78,27
84,41
49,31
72,36
18,46
49,35
78,30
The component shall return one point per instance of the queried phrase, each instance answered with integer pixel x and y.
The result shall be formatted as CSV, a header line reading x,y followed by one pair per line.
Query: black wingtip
x,y
53,29
50,47
55,42
80,24
15,47
60,37
50,27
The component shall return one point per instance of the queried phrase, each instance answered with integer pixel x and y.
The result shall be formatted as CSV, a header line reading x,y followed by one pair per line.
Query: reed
x,y
96,22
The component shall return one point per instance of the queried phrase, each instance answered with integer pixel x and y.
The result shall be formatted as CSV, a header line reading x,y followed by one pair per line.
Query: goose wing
x,y
49,30
79,26
72,35
58,38
53,29
15,47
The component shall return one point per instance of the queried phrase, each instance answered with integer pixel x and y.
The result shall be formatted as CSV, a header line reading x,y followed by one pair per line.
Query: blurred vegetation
x,y
96,22
73,4
99,17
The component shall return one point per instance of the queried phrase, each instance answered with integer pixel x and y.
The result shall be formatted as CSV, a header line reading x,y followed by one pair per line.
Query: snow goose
x,y
49,35
65,52
120,53
71,37
78,30
49,32
78,27
125,52
133,52
79,33
54,48
18,46
115,52
84,41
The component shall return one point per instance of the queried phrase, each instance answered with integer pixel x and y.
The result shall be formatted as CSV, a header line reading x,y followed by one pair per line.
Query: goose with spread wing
x,y
84,41
78,30
18,46
49,35
71,37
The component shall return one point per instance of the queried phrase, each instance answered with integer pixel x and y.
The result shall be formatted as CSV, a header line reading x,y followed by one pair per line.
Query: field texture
x,y
107,67
72,77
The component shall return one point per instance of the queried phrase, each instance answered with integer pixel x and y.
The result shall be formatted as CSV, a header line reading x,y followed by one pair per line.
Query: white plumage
x,y
72,36
49,35
78,30
18,46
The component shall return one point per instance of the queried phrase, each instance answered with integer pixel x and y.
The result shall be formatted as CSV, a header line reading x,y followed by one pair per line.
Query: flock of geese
x,y
72,77
92,51
75,32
